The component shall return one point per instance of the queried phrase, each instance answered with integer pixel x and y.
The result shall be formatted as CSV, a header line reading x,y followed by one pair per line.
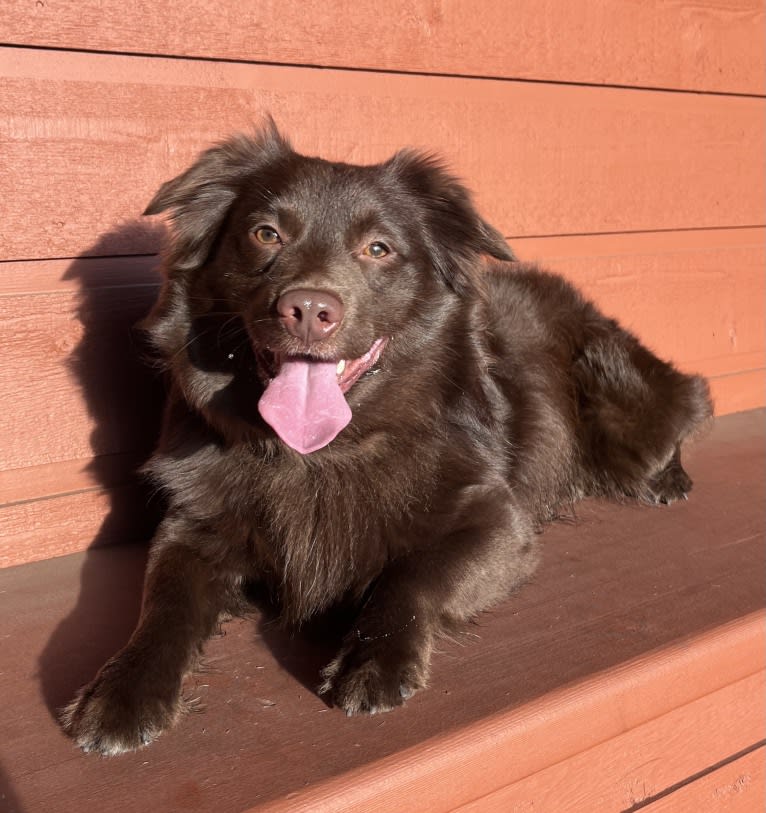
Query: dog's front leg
x,y
137,694
476,556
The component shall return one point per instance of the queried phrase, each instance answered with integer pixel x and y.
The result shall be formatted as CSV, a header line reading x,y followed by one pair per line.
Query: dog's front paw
x,y
367,679
120,711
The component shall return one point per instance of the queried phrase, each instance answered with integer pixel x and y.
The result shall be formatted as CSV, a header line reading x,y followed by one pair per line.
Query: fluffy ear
x,y
457,235
200,197
495,244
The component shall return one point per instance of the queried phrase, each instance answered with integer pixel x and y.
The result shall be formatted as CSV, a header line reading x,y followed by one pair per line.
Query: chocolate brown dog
x,y
364,408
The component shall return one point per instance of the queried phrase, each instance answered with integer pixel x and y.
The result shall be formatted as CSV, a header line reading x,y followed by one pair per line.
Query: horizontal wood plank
x,y
627,770
67,477
739,391
63,524
737,787
715,46
80,277
77,376
690,297
87,138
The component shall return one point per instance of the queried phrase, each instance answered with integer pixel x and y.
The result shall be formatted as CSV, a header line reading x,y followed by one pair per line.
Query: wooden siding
x,y
712,46
620,143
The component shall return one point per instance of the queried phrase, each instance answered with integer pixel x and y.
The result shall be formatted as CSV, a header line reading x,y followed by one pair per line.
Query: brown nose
x,y
310,315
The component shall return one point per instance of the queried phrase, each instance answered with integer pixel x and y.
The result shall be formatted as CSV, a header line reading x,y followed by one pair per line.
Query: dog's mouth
x,y
348,371
304,401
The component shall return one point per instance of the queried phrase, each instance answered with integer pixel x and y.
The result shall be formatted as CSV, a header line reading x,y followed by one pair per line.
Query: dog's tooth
x,y
341,367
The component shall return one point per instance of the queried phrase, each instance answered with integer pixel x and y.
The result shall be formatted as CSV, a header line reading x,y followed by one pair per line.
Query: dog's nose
x,y
310,315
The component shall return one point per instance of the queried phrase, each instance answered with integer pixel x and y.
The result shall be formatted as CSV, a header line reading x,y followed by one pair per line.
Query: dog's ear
x,y
200,197
456,234
495,244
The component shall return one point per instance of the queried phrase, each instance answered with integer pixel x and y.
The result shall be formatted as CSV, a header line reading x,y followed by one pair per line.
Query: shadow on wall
x,y
123,393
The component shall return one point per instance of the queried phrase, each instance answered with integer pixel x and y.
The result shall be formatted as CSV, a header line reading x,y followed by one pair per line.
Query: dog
x,y
372,404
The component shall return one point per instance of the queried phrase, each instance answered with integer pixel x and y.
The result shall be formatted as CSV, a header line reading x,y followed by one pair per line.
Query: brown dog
x,y
360,412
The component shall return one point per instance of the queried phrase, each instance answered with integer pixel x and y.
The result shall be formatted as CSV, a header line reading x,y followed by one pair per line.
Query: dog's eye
x,y
377,250
267,236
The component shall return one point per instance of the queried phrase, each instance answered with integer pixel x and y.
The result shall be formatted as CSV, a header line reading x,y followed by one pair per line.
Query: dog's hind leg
x,y
635,411
671,483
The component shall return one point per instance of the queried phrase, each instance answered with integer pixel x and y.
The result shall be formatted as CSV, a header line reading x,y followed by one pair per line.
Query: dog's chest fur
x,y
317,531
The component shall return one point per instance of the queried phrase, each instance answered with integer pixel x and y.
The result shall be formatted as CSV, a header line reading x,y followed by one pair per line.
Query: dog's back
x,y
593,411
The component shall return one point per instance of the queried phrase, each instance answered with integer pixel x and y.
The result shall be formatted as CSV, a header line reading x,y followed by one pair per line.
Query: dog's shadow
x,y
123,397
123,392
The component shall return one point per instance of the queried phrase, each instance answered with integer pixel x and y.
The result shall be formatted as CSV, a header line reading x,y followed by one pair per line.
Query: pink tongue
x,y
304,404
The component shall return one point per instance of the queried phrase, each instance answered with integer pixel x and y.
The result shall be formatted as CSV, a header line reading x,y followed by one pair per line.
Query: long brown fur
x,y
500,398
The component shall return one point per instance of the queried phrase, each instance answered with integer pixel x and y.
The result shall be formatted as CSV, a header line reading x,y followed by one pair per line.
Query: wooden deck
x,y
628,676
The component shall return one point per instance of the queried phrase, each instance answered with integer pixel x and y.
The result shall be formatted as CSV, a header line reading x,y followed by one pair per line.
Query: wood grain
x,y
86,139
65,523
65,477
712,46
45,528
737,787
75,377
629,769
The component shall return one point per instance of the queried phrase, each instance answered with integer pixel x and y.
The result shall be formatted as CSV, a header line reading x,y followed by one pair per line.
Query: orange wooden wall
x,y
621,143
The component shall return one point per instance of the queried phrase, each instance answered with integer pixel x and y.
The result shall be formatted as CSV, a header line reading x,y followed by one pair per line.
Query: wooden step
x,y
628,675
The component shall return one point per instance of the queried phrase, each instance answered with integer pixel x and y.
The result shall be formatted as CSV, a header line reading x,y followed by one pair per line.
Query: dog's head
x,y
299,272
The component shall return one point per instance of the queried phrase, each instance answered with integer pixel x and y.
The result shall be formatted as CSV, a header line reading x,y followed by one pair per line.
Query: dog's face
x,y
307,270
